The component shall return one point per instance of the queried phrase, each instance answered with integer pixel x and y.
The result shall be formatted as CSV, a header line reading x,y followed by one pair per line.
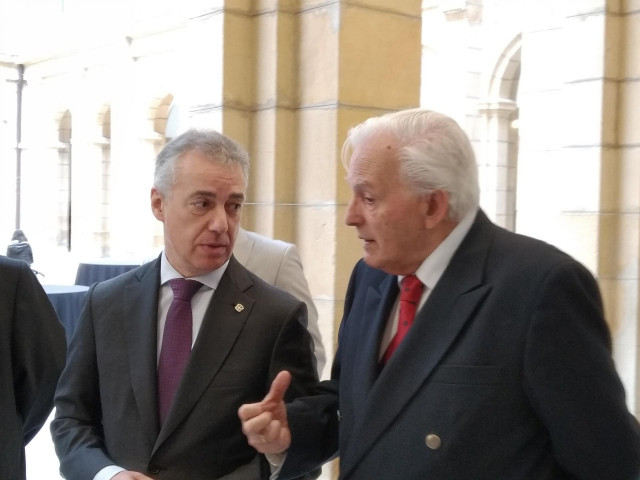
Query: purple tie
x,y
176,342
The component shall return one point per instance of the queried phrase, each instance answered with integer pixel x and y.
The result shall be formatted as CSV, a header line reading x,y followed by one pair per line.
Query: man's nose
x,y
218,221
352,214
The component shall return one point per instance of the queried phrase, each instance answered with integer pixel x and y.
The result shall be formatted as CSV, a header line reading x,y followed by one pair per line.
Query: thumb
x,y
278,388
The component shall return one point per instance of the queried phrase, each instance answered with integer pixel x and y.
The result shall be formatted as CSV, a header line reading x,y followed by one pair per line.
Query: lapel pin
x,y
239,307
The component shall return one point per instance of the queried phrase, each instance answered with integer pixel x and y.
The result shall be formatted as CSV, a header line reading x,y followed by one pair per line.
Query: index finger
x,y
273,399
278,388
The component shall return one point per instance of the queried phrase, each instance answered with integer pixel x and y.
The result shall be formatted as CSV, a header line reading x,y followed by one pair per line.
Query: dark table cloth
x,y
90,273
67,300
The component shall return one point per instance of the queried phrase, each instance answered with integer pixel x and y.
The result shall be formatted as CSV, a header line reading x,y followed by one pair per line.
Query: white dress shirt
x,y
199,304
429,272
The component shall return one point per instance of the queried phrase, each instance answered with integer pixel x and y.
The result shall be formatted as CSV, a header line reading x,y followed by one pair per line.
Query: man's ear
x,y
157,204
437,206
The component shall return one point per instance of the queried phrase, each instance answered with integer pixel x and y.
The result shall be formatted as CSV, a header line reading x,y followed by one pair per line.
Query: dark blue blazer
x,y
506,374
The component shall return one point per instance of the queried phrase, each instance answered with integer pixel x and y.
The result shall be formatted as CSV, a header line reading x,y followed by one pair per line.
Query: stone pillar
x,y
578,161
497,162
562,134
8,86
86,181
619,230
131,167
295,77
355,61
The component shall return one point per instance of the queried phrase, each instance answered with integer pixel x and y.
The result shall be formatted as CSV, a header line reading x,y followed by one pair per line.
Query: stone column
x,y
497,162
355,61
296,76
579,163
619,229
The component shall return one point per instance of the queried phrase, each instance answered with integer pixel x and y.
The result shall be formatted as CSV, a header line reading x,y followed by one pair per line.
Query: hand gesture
x,y
265,423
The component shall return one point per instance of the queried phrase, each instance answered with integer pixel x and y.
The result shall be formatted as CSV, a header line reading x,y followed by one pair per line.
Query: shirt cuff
x,y
108,472
276,460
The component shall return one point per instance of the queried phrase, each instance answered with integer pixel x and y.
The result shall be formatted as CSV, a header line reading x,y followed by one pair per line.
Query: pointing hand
x,y
265,423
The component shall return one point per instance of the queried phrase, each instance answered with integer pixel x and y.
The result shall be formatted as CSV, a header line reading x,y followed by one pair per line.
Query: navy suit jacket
x,y
106,401
506,374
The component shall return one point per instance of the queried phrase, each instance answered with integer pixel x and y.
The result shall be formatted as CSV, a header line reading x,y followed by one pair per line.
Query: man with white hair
x,y
465,351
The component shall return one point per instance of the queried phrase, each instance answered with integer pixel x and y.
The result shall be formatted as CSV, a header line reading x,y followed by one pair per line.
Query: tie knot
x,y
411,289
184,289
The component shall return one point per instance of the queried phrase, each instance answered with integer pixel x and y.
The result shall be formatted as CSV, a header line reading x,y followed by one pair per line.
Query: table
x,y
67,300
91,272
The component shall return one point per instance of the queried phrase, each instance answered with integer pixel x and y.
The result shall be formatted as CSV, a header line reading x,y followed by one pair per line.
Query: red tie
x,y
176,342
410,292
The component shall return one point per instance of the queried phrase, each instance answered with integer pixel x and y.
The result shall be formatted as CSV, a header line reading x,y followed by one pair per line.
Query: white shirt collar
x,y
435,264
210,279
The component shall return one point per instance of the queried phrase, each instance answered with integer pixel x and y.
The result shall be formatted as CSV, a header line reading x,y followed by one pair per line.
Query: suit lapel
x,y
140,325
223,322
449,308
377,307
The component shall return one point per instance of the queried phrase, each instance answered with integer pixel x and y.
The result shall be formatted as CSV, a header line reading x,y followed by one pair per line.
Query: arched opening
x,y
161,115
498,159
164,128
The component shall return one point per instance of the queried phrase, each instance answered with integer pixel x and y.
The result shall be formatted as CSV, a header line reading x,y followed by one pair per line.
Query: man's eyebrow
x,y
209,194
237,196
203,193
361,185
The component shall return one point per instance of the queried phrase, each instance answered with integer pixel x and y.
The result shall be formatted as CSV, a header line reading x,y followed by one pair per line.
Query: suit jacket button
x,y
153,469
433,441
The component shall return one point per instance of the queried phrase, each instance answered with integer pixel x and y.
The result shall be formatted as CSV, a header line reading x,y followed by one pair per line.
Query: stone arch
x,y
176,120
160,114
505,77
499,153
157,115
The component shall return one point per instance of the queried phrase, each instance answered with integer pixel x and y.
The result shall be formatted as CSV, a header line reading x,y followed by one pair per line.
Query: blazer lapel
x,y
377,308
223,322
141,343
450,306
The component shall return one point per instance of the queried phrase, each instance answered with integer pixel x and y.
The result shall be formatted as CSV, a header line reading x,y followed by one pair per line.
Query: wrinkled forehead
x,y
373,156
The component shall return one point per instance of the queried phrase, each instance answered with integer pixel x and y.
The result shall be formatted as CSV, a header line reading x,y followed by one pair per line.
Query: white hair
x,y
434,154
